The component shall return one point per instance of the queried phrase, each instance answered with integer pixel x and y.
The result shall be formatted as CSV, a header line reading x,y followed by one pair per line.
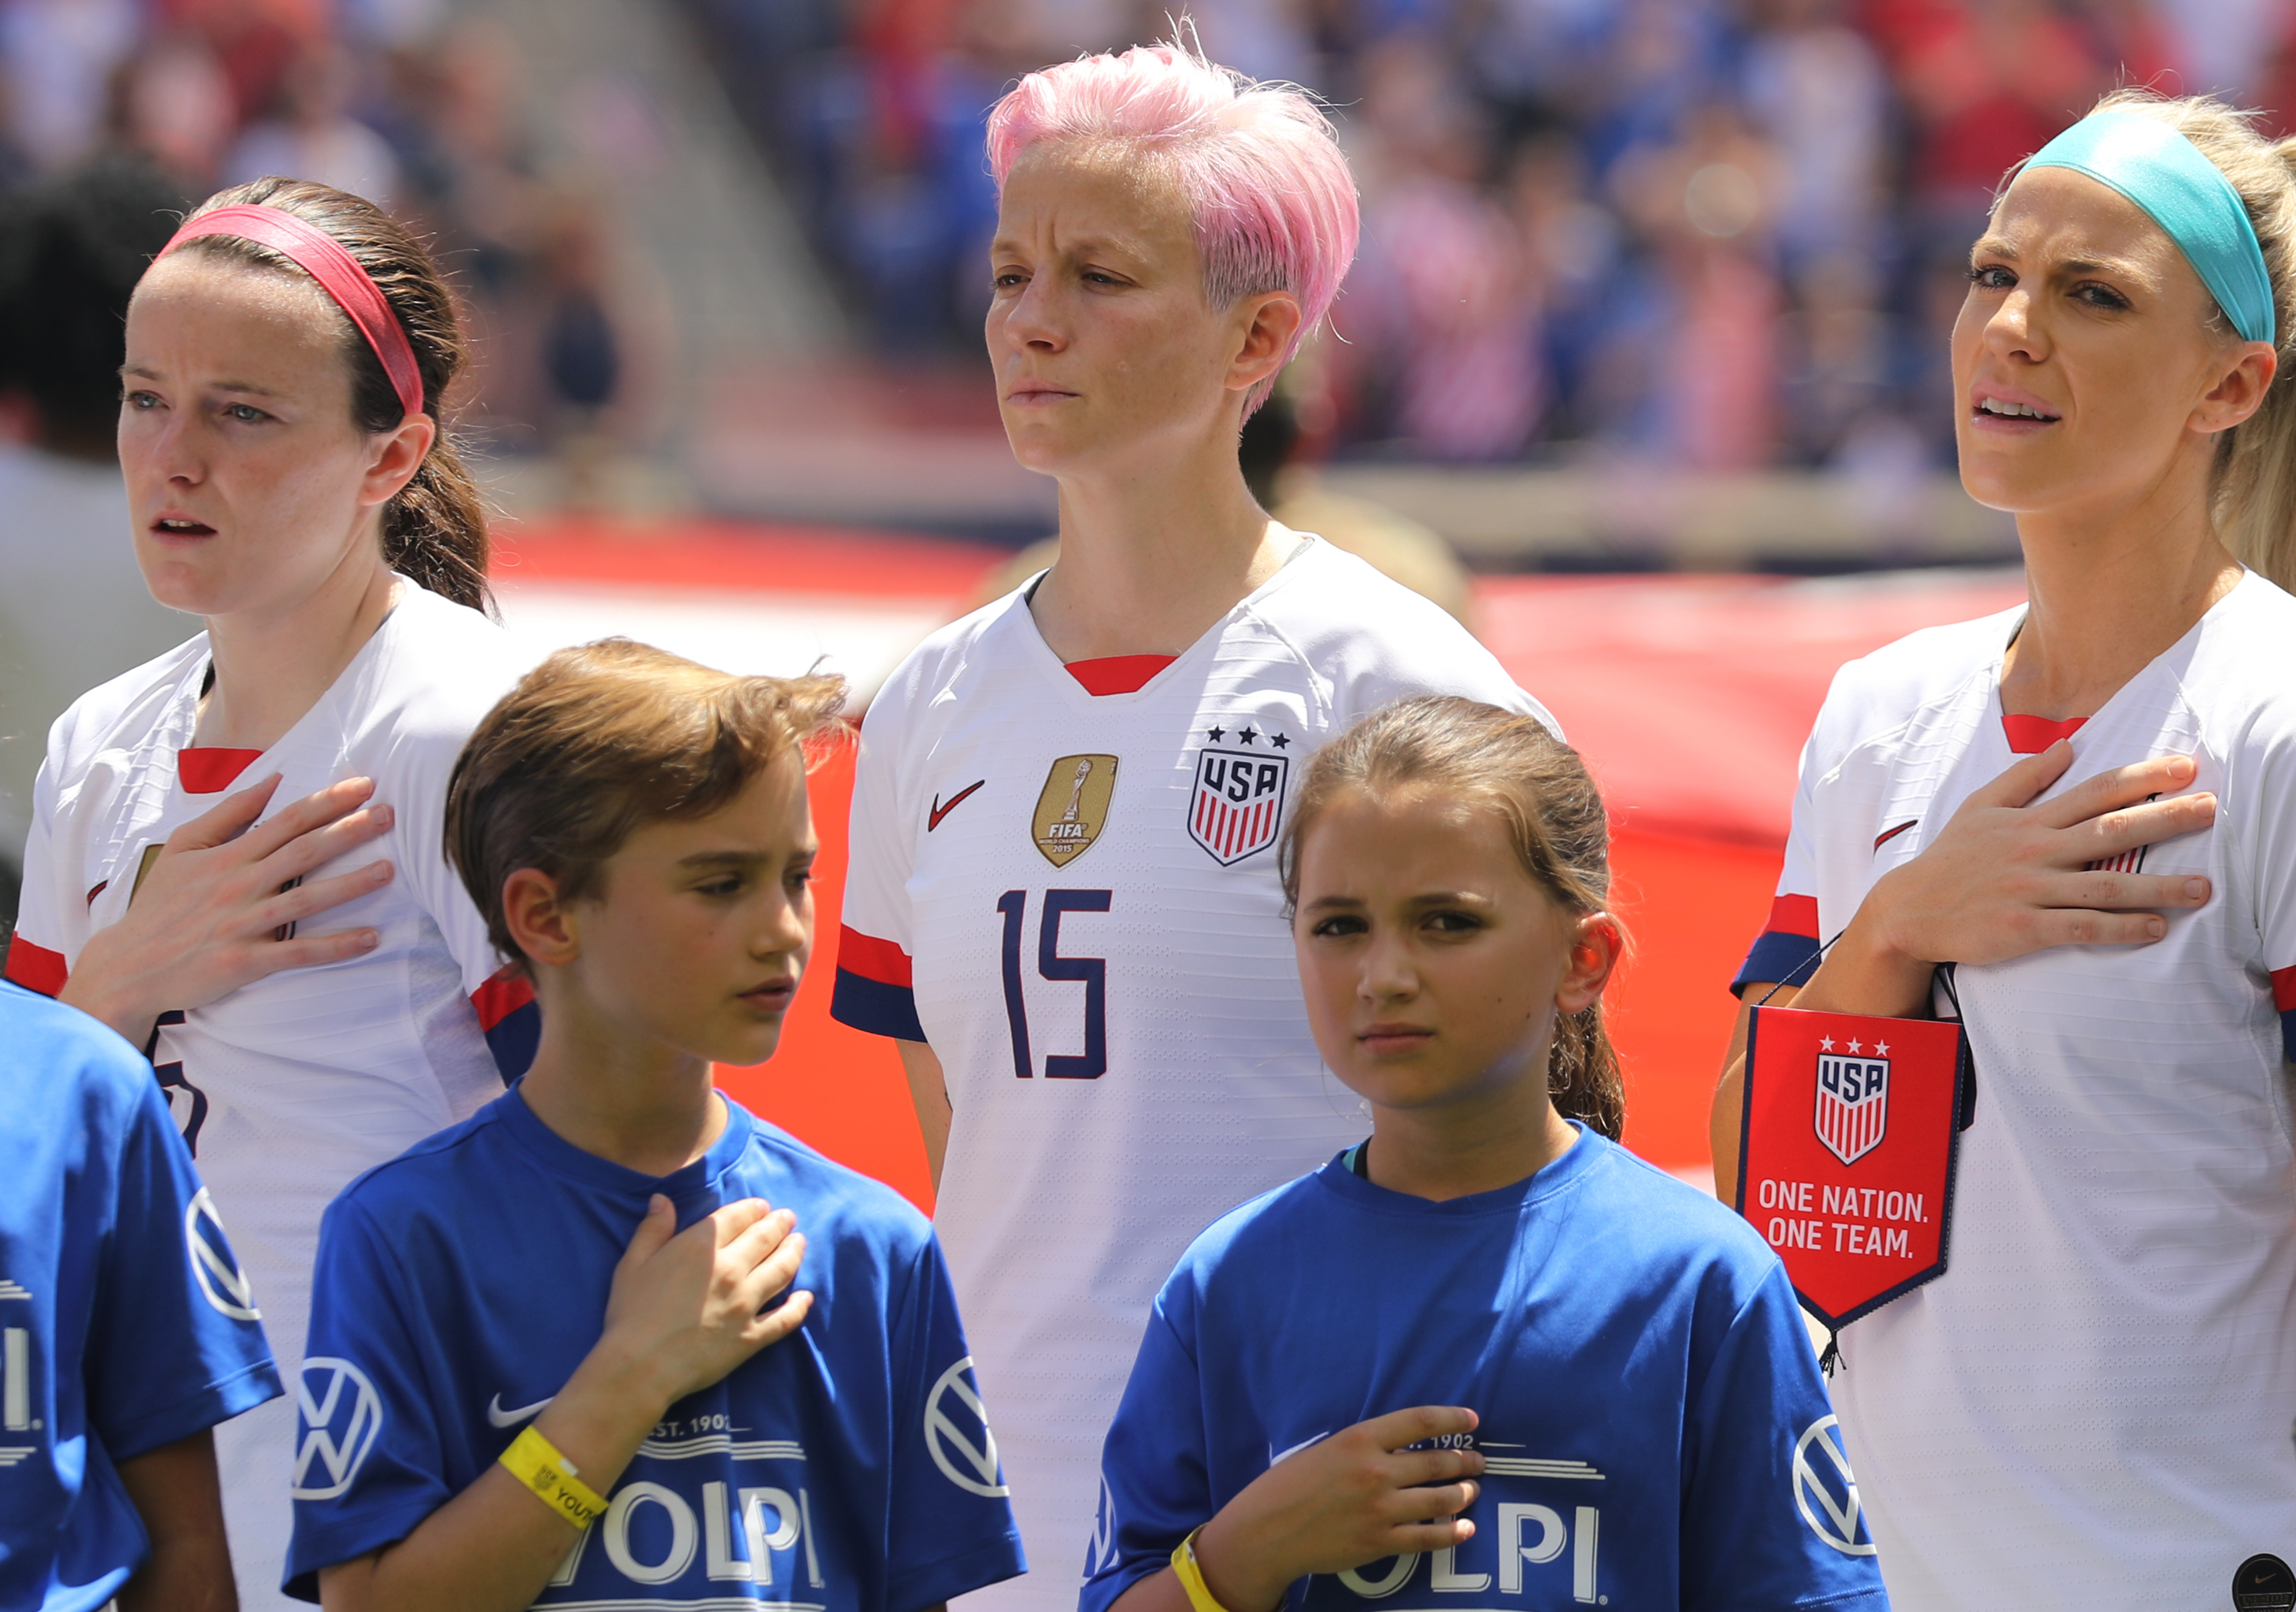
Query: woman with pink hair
x,y
1064,902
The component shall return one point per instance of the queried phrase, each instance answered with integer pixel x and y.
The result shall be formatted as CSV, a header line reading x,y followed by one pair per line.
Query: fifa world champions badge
x,y
1847,1145
1073,807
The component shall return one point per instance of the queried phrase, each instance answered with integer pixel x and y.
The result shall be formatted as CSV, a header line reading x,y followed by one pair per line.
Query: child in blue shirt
x,y
126,1330
1486,1359
574,1351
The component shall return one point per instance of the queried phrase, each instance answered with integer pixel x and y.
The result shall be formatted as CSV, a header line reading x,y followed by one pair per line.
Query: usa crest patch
x,y
1853,1102
1238,803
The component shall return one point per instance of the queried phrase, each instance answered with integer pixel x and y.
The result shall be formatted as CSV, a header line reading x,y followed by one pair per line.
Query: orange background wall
x,y
1690,695
1692,907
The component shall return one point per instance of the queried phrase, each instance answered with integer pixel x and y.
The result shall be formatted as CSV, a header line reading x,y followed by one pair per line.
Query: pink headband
x,y
338,273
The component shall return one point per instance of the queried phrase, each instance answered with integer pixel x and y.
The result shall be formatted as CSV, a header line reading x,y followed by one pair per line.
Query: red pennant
x,y
1846,1150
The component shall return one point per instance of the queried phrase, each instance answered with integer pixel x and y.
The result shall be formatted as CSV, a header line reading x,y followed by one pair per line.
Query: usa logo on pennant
x,y
1853,1103
1238,804
1847,1146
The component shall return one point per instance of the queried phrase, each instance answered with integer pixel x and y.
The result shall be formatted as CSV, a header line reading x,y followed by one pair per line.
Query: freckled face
x,y
248,481
701,929
2082,351
1434,964
1105,349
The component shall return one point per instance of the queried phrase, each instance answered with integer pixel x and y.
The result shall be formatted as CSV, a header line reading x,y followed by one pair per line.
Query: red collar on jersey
x,y
206,769
340,275
1118,674
2030,735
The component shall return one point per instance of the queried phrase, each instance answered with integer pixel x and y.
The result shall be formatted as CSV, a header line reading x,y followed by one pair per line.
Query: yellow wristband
x,y
1192,1576
535,1462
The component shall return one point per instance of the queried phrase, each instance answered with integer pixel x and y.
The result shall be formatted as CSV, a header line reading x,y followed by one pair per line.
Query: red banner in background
x,y
1847,1151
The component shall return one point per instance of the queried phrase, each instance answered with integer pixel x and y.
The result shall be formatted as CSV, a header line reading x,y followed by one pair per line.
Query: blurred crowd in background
x,y
400,100
1717,234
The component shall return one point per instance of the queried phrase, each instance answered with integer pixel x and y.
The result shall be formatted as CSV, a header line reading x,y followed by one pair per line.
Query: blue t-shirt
x,y
125,1323
1655,1428
847,1468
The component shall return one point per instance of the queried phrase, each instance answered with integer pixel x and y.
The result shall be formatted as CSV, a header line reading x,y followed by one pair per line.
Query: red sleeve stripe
x,y
871,958
1793,915
502,996
36,967
2284,989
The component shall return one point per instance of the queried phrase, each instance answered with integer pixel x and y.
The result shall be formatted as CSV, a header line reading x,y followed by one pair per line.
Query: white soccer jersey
x,y
289,1087
1073,898
2092,1408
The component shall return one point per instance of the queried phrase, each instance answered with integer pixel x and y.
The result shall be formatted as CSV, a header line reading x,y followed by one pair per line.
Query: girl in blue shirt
x,y
1486,1359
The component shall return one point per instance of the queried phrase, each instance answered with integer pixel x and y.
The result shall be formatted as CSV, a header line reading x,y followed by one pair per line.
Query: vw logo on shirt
x,y
341,1415
1824,1491
957,1434
221,1281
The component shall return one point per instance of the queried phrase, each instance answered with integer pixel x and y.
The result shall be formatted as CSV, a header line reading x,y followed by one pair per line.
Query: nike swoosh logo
x,y
1887,835
501,1417
933,818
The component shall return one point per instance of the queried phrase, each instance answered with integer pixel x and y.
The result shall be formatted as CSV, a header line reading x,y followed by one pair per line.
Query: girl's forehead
x,y
1403,833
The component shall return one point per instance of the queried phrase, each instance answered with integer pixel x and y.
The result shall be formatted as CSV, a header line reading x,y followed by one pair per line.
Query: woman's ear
x,y
1596,944
394,456
540,919
1269,321
2240,392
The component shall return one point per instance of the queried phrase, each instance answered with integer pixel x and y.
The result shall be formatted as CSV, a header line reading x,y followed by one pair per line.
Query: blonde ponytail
x,y
2253,498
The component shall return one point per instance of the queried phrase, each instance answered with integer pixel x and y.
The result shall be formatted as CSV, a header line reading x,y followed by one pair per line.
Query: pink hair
x,y
1274,203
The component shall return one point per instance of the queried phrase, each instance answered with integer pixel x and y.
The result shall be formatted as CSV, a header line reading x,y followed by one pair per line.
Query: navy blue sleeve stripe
x,y
1775,957
879,1009
2288,1034
513,1039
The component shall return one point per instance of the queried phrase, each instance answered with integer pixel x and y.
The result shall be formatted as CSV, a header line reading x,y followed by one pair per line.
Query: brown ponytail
x,y
1555,819
435,530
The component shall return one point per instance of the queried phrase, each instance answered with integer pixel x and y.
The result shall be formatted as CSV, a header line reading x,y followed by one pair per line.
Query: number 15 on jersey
x,y
1090,972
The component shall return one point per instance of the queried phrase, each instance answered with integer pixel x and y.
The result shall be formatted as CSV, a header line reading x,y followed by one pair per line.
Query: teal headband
x,y
2186,195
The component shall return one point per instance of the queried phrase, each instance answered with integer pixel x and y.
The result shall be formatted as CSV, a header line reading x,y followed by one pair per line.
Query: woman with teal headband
x,y
2087,806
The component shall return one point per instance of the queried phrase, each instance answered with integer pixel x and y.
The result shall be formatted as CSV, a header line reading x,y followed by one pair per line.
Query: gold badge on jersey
x,y
1074,806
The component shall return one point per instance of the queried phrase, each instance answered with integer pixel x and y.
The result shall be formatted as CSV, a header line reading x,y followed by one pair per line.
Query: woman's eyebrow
x,y
144,372
2121,268
2001,247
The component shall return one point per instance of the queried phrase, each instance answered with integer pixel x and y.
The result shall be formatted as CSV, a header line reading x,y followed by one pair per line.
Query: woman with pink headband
x,y
236,859
1063,901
